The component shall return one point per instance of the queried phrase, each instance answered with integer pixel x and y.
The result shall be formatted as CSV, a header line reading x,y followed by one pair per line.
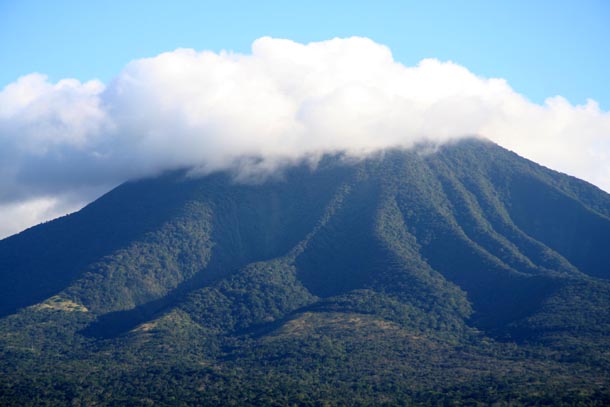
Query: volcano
x,y
463,274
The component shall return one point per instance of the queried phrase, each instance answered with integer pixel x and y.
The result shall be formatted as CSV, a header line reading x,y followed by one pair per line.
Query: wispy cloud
x,y
282,102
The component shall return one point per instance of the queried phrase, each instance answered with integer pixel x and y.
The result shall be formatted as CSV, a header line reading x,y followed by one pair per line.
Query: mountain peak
x,y
456,250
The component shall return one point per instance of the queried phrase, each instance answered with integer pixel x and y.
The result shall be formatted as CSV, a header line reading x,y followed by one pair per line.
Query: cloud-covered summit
x,y
63,143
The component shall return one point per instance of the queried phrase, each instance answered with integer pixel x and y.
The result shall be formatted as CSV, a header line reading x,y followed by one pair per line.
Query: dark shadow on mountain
x,y
45,259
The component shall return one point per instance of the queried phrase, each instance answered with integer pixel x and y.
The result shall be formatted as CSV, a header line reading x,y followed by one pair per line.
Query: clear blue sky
x,y
543,48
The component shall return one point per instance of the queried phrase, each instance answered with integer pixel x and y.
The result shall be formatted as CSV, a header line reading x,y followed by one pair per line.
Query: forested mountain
x,y
464,275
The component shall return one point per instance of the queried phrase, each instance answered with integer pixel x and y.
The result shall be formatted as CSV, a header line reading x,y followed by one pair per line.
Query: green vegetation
x,y
468,276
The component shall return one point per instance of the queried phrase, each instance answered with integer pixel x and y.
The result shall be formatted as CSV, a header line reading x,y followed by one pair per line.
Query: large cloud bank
x,y
63,143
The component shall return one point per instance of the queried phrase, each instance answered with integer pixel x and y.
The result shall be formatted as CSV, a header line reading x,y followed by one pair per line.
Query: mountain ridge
x,y
470,248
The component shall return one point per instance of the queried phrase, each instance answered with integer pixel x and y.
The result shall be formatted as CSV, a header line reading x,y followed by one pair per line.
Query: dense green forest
x,y
463,276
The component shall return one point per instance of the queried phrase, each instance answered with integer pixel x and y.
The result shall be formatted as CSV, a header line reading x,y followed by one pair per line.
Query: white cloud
x,y
18,216
283,101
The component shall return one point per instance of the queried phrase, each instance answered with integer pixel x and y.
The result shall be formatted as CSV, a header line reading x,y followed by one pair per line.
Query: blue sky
x,y
543,48
63,143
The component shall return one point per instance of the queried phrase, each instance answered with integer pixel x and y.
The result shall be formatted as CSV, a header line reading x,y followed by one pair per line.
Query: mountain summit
x,y
466,275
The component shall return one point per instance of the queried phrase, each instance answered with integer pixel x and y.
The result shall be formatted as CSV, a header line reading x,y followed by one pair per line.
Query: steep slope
x,y
45,259
419,270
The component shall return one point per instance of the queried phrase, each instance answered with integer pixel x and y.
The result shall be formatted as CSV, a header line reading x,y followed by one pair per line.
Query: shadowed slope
x,y
345,270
